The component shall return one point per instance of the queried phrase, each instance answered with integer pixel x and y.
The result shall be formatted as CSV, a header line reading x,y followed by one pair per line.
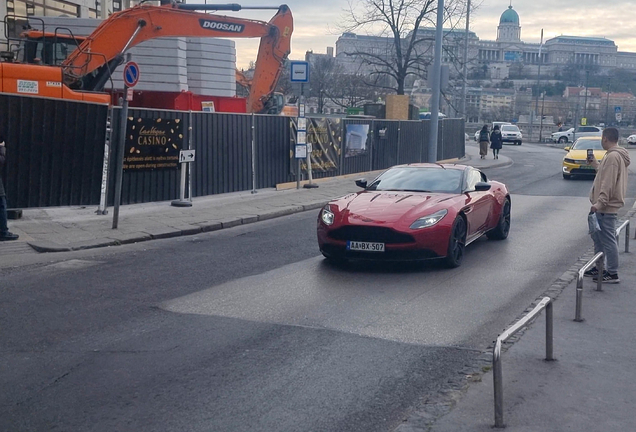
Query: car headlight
x,y
326,215
568,160
429,220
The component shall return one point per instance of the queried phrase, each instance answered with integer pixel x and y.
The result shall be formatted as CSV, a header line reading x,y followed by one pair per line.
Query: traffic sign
x,y
186,156
131,74
299,71
617,109
619,117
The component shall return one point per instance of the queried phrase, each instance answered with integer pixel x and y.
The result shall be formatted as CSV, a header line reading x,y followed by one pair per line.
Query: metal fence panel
x,y
272,150
411,142
224,150
54,151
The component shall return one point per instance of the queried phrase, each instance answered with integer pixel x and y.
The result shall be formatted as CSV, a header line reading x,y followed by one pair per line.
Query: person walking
x,y
484,140
4,229
495,142
607,197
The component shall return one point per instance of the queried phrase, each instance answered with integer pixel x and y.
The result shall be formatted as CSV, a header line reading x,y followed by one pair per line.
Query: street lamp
x,y
609,88
587,76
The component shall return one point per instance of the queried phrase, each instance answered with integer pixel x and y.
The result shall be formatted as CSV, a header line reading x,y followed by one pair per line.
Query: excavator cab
x,y
50,49
29,43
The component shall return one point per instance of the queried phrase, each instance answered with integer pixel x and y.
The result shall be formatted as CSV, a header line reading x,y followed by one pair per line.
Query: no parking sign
x,y
131,74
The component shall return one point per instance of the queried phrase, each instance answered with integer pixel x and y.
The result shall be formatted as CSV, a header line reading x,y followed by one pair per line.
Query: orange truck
x,y
83,74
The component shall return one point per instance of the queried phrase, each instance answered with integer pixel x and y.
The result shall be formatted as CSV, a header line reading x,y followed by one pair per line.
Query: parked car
x,y
575,161
415,212
511,134
631,140
571,134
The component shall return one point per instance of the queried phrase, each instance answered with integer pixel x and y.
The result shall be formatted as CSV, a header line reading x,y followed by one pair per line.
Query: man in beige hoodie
x,y
607,197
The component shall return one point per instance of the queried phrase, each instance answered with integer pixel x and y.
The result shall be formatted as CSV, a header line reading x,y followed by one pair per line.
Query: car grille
x,y
370,234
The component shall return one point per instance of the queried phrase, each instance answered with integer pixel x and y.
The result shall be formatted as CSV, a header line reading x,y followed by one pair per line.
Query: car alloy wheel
x,y
563,140
501,231
456,243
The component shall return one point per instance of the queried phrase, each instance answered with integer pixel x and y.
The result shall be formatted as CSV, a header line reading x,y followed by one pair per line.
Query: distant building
x,y
508,49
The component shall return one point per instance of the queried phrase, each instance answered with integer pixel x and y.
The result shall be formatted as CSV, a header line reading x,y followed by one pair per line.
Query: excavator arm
x,y
91,64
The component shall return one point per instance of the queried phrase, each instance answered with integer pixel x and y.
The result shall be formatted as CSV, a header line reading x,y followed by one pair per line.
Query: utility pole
x,y
536,103
609,87
587,76
437,82
465,68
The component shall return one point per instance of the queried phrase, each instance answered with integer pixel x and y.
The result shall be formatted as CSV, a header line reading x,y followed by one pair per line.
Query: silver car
x,y
571,134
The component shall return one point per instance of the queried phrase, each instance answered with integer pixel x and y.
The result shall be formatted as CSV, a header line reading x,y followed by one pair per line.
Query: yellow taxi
x,y
575,162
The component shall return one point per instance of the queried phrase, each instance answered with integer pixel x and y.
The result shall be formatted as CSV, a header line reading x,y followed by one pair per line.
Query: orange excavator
x,y
83,74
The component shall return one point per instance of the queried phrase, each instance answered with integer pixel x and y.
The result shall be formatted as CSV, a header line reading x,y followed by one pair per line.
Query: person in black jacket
x,y
496,141
4,230
484,139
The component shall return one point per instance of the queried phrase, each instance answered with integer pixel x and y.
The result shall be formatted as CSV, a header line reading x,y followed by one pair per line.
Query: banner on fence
x,y
356,139
153,143
324,135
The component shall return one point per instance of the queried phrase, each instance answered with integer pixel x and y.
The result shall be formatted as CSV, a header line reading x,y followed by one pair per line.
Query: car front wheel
x,y
456,243
563,140
500,232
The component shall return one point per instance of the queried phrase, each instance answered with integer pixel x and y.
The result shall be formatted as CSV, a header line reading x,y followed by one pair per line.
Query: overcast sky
x,y
316,22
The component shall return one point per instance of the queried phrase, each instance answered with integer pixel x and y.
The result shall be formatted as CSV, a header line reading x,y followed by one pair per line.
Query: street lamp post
x,y
609,88
465,68
587,76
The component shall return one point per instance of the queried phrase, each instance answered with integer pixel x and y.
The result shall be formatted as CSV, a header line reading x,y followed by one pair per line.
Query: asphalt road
x,y
250,329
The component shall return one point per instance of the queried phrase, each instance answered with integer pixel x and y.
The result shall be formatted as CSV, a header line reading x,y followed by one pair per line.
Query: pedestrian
x,y
484,140
495,141
560,127
607,197
4,229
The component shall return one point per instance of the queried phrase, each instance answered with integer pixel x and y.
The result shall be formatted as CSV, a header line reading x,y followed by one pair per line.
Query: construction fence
x,y
55,150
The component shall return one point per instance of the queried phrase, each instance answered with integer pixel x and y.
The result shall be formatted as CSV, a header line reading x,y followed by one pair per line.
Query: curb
x,y
51,247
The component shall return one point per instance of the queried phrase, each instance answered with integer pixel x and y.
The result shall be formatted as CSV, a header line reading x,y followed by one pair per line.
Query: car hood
x,y
582,154
386,207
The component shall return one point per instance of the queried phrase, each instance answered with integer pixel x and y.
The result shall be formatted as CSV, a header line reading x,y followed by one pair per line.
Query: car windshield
x,y
419,179
584,144
510,128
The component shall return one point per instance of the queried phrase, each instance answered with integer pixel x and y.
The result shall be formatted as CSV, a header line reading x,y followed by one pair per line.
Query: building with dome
x,y
495,59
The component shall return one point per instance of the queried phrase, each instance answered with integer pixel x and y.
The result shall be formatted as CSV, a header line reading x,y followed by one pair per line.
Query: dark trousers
x,y
3,215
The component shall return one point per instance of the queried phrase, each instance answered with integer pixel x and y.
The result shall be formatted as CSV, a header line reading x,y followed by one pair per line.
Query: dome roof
x,y
509,16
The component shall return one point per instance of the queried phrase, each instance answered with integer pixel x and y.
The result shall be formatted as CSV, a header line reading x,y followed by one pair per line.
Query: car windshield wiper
x,y
406,190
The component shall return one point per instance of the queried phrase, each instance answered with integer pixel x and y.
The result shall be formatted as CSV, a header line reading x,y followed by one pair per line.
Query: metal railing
x,y
599,260
618,232
545,303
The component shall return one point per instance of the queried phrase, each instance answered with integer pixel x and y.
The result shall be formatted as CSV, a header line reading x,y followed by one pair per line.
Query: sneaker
x,y
593,272
608,278
8,236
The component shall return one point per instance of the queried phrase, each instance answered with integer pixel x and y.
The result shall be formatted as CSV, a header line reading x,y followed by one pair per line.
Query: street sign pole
x,y
121,140
186,157
300,73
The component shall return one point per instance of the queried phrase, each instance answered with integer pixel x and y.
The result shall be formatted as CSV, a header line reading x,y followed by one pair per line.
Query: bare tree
x,y
406,51
325,72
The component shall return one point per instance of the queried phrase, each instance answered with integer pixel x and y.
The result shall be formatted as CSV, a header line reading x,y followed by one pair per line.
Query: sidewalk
x,y
74,228
590,386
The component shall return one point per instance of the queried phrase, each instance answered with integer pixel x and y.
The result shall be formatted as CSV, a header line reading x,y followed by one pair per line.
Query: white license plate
x,y
365,246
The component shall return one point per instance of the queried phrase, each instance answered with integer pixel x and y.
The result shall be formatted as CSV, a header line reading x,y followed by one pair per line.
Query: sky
x,y
316,23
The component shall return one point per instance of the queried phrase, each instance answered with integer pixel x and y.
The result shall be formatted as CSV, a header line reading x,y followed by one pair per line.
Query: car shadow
x,y
385,267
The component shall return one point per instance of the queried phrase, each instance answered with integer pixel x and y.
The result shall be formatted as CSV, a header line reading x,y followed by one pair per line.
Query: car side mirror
x,y
361,183
482,187
566,148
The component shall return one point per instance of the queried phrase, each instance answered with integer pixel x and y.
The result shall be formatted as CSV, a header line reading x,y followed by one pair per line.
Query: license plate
x,y
587,167
365,246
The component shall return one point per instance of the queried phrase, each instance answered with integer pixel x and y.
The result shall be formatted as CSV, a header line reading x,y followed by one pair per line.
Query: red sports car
x,y
415,212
